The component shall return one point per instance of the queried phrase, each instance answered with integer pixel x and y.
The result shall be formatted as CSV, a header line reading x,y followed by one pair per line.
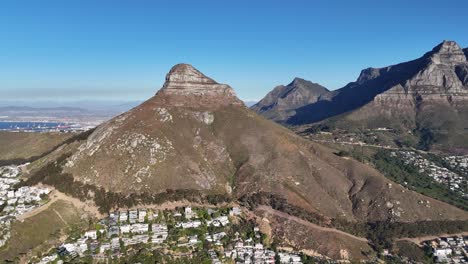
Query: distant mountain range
x,y
425,98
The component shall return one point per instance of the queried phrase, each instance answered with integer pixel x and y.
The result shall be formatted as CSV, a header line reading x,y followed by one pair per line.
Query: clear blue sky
x,y
119,49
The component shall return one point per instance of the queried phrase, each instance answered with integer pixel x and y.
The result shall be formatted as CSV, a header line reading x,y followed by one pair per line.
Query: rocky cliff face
x,y
185,84
281,102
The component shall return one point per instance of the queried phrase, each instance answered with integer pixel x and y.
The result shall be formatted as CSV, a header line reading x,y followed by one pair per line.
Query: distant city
x,y
42,127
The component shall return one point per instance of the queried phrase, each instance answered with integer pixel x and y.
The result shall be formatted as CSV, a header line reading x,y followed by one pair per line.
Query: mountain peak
x,y
298,80
185,85
447,52
279,102
186,73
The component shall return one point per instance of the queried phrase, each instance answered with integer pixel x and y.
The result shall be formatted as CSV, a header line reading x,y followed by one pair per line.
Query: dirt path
x,y
60,216
55,196
419,240
306,223
39,209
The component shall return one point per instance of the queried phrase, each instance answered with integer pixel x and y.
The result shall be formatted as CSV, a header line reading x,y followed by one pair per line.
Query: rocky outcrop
x,y
439,76
187,86
447,53
462,73
280,103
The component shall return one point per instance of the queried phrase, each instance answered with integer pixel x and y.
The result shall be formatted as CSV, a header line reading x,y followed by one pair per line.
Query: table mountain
x,y
428,96
280,104
196,134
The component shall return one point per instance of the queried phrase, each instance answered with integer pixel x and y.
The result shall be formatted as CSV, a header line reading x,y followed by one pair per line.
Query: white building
x,y
141,215
92,234
139,228
125,229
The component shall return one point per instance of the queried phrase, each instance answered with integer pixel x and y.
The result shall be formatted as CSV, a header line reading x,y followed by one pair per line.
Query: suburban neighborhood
x,y
14,203
449,249
179,233
456,181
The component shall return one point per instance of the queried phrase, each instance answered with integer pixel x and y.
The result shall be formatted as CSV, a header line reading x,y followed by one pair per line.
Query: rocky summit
x,y
281,102
185,85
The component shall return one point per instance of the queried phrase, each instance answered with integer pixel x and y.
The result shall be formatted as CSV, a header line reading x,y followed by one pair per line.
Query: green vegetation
x,y
413,252
407,175
380,234
281,204
426,138
52,174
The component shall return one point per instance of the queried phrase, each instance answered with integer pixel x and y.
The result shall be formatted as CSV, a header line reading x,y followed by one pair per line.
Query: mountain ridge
x,y
403,97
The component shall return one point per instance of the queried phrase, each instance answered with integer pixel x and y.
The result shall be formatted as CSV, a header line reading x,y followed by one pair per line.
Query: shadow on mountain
x,y
371,82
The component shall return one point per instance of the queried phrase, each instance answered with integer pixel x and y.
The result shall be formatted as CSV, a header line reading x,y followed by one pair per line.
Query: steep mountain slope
x,y
196,134
427,96
280,104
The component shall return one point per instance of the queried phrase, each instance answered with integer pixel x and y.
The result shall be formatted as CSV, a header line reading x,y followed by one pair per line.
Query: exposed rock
x,y
186,86
462,73
204,117
164,114
369,74
447,53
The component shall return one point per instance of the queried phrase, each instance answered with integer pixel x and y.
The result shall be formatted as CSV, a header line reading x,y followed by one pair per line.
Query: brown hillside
x,y
23,145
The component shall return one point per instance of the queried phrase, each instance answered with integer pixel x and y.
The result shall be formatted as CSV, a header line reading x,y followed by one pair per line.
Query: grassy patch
x,y
22,145
412,251
41,232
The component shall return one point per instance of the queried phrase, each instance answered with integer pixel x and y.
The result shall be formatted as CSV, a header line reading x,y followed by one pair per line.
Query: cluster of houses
x,y
13,202
458,162
246,251
449,249
123,229
454,181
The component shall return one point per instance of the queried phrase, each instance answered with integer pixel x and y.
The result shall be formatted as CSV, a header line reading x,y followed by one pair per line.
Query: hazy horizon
x,y
111,50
